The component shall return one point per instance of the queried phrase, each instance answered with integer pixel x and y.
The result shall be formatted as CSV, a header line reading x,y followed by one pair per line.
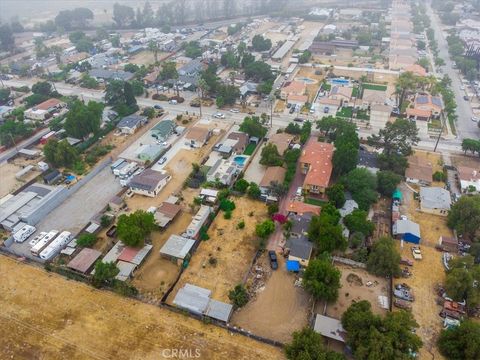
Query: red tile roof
x,y
301,208
48,104
318,156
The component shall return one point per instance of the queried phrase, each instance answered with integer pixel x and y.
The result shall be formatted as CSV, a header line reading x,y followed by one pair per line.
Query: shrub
x,y
227,215
241,225
439,176
238,296
272,209
86,240
227,205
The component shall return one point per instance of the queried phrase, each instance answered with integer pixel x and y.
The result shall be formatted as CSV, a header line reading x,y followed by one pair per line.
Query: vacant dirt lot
x,y
426,273
433,158
233,249
467,160
8,182
279,308
44,316
354,288
157,274
146,57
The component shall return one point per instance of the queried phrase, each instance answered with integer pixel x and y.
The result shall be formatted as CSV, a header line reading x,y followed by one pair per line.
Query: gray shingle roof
x,y
300,247
435,198
131,121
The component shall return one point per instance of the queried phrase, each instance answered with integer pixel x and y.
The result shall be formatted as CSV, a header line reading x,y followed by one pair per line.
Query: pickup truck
x,y
402,304
416,253
405,261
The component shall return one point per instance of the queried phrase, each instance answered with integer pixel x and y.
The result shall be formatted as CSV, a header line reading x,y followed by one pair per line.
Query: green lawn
x,y
362,115
316,202
326,86
345,112
355,92
249,149
375,87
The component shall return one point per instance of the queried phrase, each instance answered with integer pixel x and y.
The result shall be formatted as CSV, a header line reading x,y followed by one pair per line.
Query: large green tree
x,y
396,138
83,120
462,279
461,342
322,279
104,273
336,195
326,232
308,345
464,216
253,127
134,228
384,258
270,156
60,153
362,185
357,222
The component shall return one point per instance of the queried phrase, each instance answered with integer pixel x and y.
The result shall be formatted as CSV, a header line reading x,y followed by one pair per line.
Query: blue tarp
x,y
411,238
70,178
293,265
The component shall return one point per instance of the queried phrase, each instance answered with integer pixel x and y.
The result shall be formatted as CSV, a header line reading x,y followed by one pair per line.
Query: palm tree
x,y
406,82
153,47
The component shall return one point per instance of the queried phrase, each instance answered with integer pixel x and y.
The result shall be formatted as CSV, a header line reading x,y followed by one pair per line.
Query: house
x,y
342,93
52,177
425,107
223,171
435,200
129,124
177,248
200,218
151,78
300,208
242,141
298,100
129,259
192,68
248,88
419,171
469,179
166,213
406,230
328,105
197,301
149,182
5,111
44,110
282,141
380,114
348,207
373,97
149,152
448,243
105,75
273,175
163,130
300,224
292,88
299,249
197,136
316,164
85,260
330,328
417,70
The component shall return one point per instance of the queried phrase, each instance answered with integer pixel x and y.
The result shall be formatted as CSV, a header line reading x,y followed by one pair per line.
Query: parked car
x,y
162,161
402,304
326,109
173,102
292,110
158,107
466,98
112,231
234,111
417,254
219,116
273,260
403,294
475,119
405,261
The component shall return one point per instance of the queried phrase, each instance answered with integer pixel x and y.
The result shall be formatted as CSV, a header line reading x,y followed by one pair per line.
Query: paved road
x,y
7,154
465,127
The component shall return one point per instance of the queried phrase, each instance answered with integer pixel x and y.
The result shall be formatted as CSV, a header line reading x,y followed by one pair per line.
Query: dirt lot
x,y
470,161
157,274
232,248
8,182
266,315
433,158
44,316
426,273
146,58
354,289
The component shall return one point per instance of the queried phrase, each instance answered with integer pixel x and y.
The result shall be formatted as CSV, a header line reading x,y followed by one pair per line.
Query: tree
x,y
464,216
241,185
322,280
326,231
336,195
462,279
396,138
460,342
11,131
259,71
229,60
253,127
305,57
192,49
238,296
362,184
104,273
387,182
7,41
253,191
357,222
123,15
406,82
4,95
114,93
132,229
373,337
169,71
471,145
308,344
60,153
264,229
229,94
82,120
384,258
270,156
86,240
42,88
247,59
259,43
345,158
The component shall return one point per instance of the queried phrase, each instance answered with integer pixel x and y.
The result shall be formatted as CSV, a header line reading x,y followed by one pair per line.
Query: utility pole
x,y
271,110
440,133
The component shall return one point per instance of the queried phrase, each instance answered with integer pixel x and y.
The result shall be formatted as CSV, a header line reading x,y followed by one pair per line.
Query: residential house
x,y
151,78
166,213
435,200
292,88
105,75
44,110
469,179
200,218
197,136
417,70
5,111
247,89
223,171
330,328
300,208
149,182
373,97
129,124
282,141
242,141
342,93
329,106
177,248
406,230
273,175
425,107
299,249
316,164
300,224
419,171
192,68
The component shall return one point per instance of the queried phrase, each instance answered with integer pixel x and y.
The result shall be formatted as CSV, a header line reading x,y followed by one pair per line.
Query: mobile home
x,y
56,245
42,243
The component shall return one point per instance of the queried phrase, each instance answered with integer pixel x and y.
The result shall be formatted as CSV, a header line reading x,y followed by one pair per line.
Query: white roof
x,y
126,270
177,246
329,327
209,192
435,198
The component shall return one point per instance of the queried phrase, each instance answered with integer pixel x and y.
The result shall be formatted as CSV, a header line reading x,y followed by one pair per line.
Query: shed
x,y
330,328
126,270
397,195
407,230
448,243
135,255
85,260
177,248
166,212
52,177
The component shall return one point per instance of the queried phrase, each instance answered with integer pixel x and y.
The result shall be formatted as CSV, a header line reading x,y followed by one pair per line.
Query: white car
x,y
219,116
416,253
234,111
475,119
162,161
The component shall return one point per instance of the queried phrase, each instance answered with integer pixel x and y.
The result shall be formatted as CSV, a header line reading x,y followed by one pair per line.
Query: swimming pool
x,y
240,160
339,81
306,80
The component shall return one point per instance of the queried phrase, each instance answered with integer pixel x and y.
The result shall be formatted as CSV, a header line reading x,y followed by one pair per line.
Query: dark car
x,y
112,231
466,98
158,107
273,259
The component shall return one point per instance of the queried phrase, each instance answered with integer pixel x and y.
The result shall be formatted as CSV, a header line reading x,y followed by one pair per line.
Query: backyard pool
x,y
340,81
240,160
306,80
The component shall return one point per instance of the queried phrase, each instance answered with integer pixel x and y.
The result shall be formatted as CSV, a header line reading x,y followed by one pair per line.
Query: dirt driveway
x,y
232,248
45,316
280,308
